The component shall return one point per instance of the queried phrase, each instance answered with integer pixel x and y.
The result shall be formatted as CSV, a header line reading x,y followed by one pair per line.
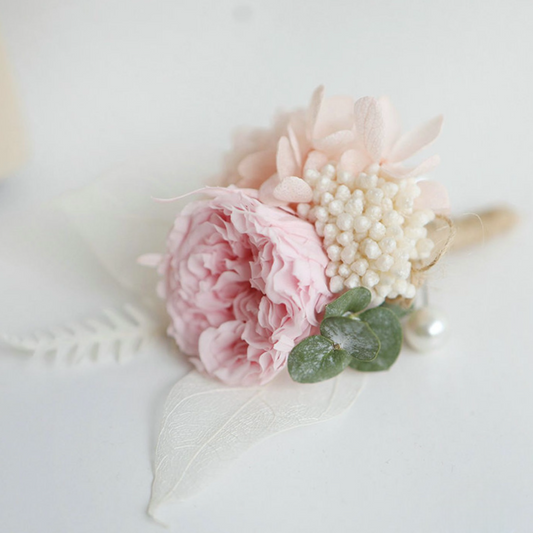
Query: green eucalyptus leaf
x,y
386,325
398,310
352,335
351,301
316,359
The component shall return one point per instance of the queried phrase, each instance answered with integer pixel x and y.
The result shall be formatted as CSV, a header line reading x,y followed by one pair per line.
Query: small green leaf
x,y
316,359
398,310
352,301
352,335
385,324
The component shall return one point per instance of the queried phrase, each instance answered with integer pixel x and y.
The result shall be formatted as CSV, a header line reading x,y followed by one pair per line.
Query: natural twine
x,y
462,232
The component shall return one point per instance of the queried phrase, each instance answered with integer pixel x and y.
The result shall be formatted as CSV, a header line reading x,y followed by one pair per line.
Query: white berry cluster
x,y
371,231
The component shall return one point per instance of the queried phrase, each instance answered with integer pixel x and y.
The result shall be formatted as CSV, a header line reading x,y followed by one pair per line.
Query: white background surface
x,y
443,442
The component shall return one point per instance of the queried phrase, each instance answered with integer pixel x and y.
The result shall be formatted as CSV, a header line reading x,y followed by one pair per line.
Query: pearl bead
x,y
321,213
419,218
384,262
343,193
323,184
352,282
311,176
387,245
400,285
330,231
396,232
336,207
344,177
410,291
374,196
360,266
345,238
336,284
426,329
354,206
372,249
390,189
391,218
361,224
332,268
377,231
386,204
344,270
370,279
415,233
374,213
349,253
334,252
326,198
344,221
329,170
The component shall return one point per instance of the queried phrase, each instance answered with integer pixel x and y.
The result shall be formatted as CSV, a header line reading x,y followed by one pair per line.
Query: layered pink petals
x,y
243,283
370,127
356,136
412,142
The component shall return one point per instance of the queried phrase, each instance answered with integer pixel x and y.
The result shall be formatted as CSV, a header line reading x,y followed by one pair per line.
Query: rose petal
x,y
412,142
369,126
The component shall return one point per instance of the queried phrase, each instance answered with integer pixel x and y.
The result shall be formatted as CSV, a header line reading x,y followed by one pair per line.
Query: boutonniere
x,y
283,283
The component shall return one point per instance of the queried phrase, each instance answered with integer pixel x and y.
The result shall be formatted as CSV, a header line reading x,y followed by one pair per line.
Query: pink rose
x,y
244,282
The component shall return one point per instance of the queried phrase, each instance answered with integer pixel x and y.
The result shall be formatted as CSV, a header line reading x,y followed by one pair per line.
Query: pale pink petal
x,y
313,109
266,192
335,144
391,123
295,145
255,168
293,189
369,126
434,196
316,161
412,142
335,113
353,161
298,125
285,160
398,171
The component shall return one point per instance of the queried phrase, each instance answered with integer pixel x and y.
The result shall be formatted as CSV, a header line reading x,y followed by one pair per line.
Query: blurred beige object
x,y
476,228
13,149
